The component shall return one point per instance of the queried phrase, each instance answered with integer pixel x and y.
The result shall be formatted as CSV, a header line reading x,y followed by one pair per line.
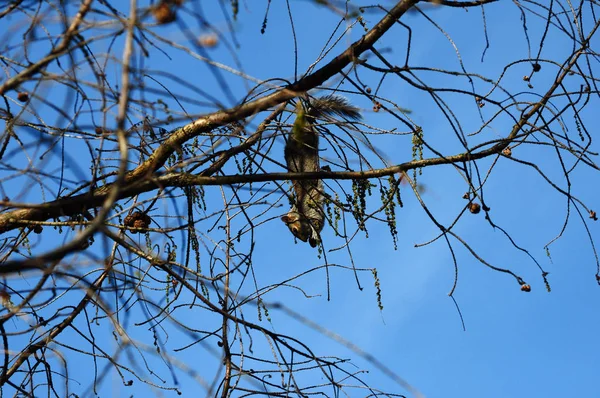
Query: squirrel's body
x,y
306,217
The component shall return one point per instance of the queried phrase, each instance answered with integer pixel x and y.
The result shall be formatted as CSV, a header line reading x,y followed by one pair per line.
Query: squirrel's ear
x,y
286,219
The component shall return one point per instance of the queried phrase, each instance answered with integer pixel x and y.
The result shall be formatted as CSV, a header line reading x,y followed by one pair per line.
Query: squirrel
x,y
306,218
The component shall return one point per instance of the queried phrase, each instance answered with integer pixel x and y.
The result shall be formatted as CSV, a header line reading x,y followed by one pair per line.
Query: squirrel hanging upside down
x,y
306,218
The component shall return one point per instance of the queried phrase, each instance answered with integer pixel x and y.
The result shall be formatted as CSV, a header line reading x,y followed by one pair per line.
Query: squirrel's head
x,y
299,226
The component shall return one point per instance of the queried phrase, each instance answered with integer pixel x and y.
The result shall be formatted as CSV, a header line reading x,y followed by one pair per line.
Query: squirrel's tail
x,y
333,105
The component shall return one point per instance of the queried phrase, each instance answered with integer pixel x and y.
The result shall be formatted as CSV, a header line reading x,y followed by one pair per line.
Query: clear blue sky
x,y
516,344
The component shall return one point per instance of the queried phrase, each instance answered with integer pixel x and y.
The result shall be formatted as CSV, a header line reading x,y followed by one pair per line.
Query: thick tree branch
x,y
80,203
449,3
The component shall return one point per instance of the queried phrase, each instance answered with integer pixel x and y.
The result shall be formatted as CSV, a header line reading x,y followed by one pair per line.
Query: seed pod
x,y
208,41
137,220
163,14
474,208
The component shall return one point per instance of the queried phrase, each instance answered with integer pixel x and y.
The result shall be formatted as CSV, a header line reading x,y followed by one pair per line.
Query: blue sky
x,y
516,344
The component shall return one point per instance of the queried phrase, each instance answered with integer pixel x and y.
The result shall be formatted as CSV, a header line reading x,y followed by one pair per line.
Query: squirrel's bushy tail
x,y
333,105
